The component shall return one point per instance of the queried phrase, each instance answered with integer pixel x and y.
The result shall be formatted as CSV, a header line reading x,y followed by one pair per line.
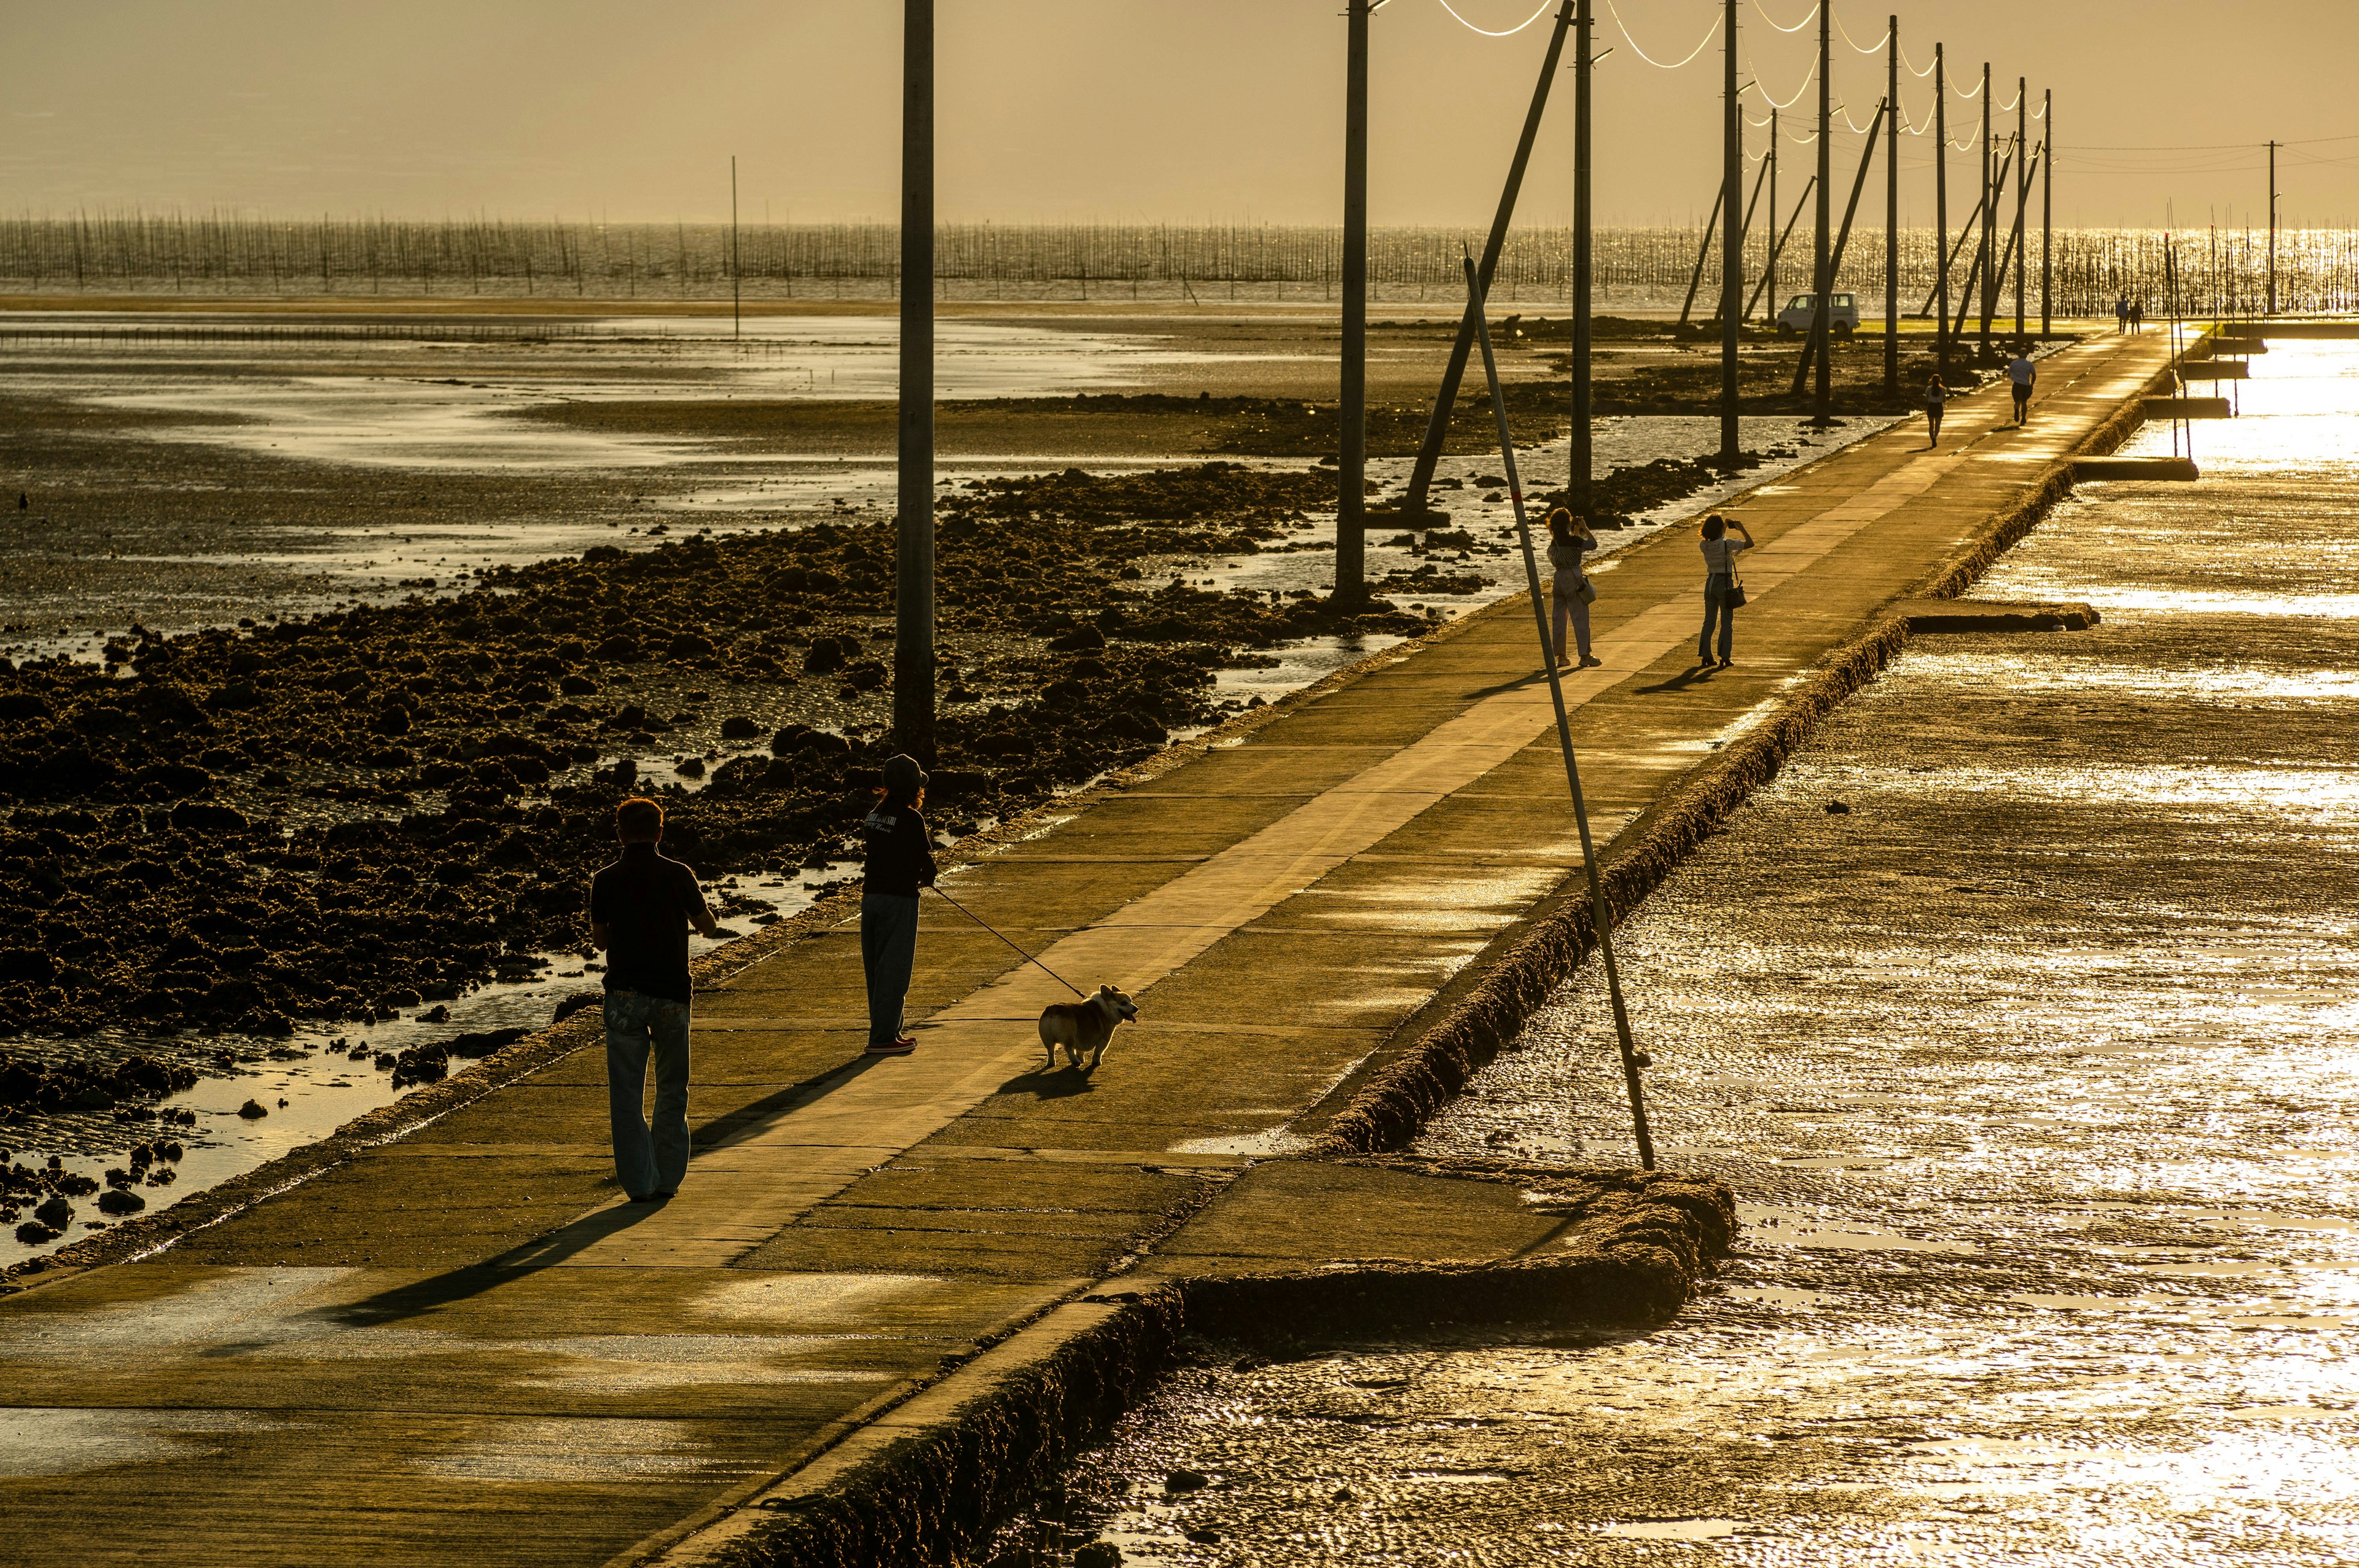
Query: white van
x,y
1842,319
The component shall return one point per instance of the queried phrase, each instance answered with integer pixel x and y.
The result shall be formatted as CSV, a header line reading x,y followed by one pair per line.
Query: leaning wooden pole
x,y
913,638
1601,916
1843,236
1704,254
1437,428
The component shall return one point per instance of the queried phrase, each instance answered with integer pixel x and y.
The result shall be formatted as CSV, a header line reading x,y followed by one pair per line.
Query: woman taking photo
x,y
1721,593
1569,540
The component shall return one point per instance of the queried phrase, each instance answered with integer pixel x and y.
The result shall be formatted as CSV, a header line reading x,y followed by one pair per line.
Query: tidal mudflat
x,y
2017,1011
349,661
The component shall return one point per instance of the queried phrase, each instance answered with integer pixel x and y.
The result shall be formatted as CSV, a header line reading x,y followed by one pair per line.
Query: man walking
x,y
640,909
2020,375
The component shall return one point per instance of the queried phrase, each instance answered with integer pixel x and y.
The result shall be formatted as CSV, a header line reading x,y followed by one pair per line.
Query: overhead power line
x,y
1782,27
1504,33
1711,33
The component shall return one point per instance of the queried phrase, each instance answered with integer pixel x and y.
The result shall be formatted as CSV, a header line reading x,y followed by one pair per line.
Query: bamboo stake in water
x,y
1600,919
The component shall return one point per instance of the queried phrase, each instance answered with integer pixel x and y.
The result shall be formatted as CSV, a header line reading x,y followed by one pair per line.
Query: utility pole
x,y
1351,469
1892,212
2273,227
1989,235
1769,270
1941,216
2047,210
736,295
1436,429
913,628
1576,483
1822,311
1731,237
2022,189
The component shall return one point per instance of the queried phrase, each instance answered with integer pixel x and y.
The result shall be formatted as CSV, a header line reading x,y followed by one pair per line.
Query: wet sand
x,y
2015,1010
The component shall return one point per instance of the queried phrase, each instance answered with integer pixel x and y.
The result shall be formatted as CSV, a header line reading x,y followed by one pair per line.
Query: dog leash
x,y
986,924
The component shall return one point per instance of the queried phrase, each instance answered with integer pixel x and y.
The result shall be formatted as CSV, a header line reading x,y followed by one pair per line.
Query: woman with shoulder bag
x,y
1569,540
1722,592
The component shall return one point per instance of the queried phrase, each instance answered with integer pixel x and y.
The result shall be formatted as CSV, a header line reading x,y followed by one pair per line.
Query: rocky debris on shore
x,y
29,1087
48,1191
160,890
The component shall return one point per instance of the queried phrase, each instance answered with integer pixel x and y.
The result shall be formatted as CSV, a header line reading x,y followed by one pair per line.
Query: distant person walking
x,y
2122,313
900,857
1569,540
2021,375
1936,397
1721,594
2137,315
640,909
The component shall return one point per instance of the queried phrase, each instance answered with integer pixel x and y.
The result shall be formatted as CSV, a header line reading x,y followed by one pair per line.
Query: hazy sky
x,y
1118,110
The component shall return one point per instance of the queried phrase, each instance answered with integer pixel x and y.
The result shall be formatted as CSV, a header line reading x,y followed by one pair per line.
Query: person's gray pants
x,y
1716,589
639,1027
888,951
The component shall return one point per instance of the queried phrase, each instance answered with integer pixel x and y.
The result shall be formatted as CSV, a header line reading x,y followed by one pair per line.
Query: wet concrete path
x,y
455,1340
2034,1069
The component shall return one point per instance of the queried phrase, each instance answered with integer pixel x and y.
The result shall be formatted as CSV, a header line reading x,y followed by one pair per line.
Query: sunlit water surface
x,y
2033,1074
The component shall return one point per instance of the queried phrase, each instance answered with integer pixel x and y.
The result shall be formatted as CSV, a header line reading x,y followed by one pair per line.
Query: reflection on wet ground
x,y
2032,1072
378,414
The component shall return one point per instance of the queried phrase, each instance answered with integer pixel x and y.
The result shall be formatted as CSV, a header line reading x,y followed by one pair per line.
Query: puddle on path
x,y
2036,1082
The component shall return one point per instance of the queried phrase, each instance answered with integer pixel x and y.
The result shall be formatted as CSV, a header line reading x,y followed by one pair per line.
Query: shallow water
x,y
334,405
2032,1074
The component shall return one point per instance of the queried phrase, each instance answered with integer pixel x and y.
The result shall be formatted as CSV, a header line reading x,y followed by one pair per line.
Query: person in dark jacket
x,y
640,909
900,860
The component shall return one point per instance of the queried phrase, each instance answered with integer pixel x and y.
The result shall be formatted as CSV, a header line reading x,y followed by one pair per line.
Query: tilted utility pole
x,y
1989,236
1352,468
2022,189
1436,429
913,598
2047,210
1732,238
1892,212
1823,312
1940,216
1577,477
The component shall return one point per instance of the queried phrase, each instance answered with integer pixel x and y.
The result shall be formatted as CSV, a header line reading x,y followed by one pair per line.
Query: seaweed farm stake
x,y
1600,917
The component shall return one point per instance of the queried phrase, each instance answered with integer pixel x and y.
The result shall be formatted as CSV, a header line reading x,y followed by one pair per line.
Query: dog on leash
x,y
1084,1026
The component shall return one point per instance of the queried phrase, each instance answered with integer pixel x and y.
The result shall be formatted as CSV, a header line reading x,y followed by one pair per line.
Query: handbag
x,y
1586,593
1736,598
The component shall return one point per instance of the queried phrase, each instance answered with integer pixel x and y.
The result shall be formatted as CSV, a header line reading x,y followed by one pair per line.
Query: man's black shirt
x,y
646,901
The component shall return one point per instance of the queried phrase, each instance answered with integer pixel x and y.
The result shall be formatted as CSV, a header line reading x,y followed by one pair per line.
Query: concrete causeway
x,y
457,1343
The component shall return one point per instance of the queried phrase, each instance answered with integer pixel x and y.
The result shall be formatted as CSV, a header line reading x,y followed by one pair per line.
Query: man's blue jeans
x,y
639,1027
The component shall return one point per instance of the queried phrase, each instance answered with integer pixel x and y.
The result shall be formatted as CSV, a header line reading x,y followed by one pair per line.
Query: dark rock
x,y
568,1006
1838,808
253,1110
55,1212
1098,1554
197,817
483,1043
738,727
121,1201
32,1233
1186,1481
435,1014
